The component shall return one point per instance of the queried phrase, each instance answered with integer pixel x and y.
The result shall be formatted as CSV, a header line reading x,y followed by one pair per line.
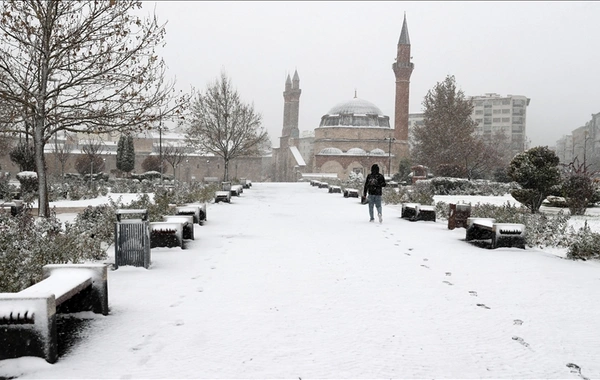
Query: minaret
x,y
403,68
291,106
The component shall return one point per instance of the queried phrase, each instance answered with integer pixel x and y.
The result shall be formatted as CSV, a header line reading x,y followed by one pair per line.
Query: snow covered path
x,y
289,281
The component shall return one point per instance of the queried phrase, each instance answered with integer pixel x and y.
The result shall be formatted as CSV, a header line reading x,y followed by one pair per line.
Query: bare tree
x,y
90,160
222,124
62,153
79,66
174,155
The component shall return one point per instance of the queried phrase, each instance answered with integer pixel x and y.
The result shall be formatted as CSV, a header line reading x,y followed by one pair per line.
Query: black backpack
x,y
373,183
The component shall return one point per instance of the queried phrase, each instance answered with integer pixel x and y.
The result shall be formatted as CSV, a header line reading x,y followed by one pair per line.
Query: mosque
x,y
352,135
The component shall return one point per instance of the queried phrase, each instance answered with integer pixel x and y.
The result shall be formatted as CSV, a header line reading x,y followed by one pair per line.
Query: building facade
x,y
502,114
352,135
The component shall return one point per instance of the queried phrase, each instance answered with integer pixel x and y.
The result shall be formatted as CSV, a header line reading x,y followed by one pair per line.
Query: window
x,y
478,112
505,110
497,110
505,102
506,119
496,120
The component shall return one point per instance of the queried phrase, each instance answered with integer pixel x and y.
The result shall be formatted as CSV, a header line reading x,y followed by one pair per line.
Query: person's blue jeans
x,y
374,200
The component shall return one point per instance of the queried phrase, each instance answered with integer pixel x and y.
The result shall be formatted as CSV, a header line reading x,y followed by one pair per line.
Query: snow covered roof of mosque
x,y
378,152
331,150
356,151
355,106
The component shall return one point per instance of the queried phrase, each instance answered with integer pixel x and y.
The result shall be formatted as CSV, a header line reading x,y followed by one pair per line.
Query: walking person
x,y
373,186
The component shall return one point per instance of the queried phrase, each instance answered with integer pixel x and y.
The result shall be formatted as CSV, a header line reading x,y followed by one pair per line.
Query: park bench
x,y
246,183
323,185
335,189
351,193
224,194
166,234
236,190
28,325
197,211
417,211
186,220
500,234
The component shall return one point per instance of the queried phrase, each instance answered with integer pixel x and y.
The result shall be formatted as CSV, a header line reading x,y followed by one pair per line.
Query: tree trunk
x,y
226,170
38,141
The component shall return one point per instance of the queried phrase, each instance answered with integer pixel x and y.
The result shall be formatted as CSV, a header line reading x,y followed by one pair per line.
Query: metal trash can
x,y
458,215
132,239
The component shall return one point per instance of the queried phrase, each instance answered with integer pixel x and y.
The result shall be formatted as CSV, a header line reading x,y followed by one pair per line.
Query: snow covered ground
x,y
289,281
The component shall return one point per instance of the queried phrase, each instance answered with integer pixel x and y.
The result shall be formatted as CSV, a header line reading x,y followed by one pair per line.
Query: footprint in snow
x,y
518,322
483,306
473,293
576,369
447,282
424,266
448,273
520,340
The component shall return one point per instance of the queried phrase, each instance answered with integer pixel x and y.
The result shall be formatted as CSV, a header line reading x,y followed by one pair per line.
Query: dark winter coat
x,y
376,190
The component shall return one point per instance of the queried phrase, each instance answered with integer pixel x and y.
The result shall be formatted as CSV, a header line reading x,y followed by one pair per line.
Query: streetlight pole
x,y
390,139
585,139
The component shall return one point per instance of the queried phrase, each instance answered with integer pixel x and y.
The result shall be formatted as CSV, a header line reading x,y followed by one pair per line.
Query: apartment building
x,y
494,113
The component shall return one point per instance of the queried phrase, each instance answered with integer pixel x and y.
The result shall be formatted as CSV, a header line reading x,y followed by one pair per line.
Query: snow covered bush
x,y
536,170
28,243
541,230
585,245
29,185
580,192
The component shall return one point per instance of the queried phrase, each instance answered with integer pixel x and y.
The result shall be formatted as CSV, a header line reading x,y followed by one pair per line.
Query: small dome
x,y
378,152
355,106
331,151
356,151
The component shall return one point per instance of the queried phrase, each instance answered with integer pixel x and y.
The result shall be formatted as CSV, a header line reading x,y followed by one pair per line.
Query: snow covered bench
x,y
166,234
350,193
417,211
224,195
335,189
186,220
500,234
28,318
197,211
236,190
323,185
246,183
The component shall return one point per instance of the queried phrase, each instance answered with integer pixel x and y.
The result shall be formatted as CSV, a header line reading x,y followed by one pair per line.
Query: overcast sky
x,y
546,51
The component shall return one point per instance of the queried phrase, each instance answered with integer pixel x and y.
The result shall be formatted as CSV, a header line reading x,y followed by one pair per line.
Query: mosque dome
x,y
355,113
331,151
356,151
355,106
378,152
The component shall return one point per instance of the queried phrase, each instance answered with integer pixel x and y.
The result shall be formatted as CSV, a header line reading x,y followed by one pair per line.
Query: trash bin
x,y
458,215
132,239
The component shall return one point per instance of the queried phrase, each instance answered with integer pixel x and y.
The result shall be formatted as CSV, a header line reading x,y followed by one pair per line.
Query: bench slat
x,y
62,283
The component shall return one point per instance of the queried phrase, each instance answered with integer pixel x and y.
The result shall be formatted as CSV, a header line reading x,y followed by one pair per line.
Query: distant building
x,y
494,113
507,114
351,136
